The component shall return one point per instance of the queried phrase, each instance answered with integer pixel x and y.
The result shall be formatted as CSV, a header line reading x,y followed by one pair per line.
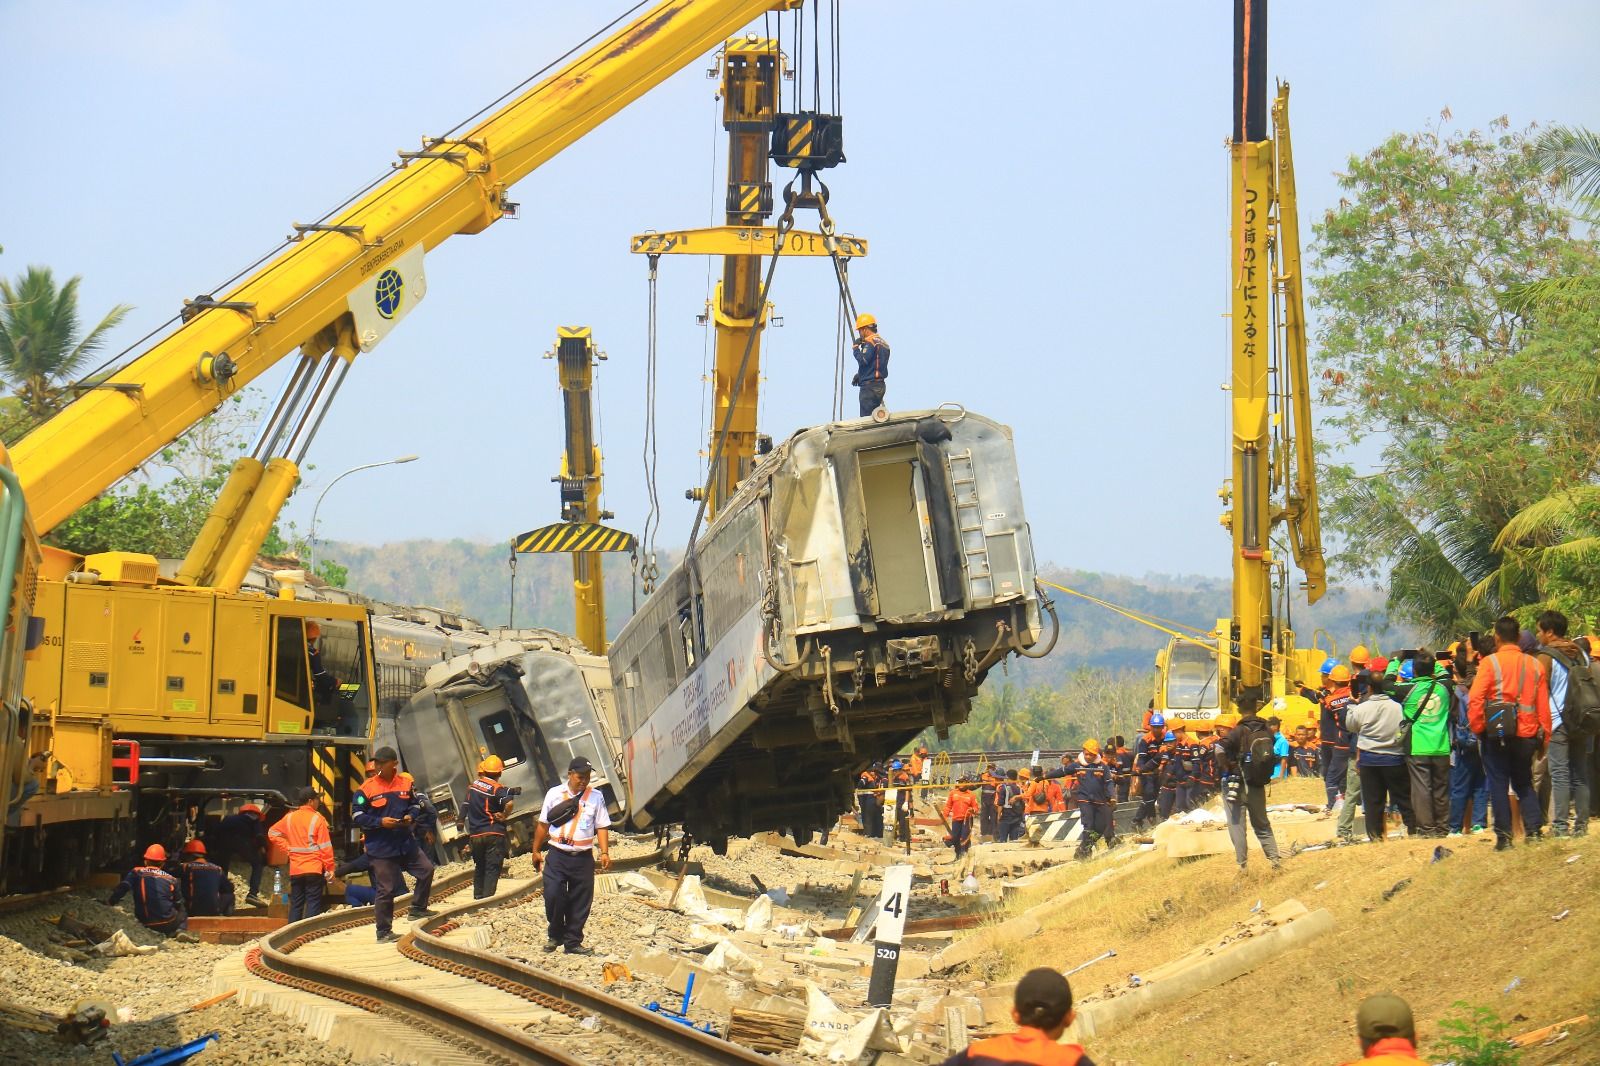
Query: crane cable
x,y
650,571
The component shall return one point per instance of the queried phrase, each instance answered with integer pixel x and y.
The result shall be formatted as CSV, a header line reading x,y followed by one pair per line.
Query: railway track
x,y
439,995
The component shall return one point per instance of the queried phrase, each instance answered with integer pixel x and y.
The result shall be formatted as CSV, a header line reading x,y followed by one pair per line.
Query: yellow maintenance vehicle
x,y
580,530
181,686
1252,656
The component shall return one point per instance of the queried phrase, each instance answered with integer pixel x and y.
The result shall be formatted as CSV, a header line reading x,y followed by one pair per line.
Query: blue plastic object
x,y
680,1016
165,1056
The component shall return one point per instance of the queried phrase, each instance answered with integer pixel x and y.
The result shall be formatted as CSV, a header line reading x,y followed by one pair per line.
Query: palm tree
x,y
1556,540
1570,155
40,346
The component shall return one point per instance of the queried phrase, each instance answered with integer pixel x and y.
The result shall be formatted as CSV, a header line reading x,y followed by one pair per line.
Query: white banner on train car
x,y
691,727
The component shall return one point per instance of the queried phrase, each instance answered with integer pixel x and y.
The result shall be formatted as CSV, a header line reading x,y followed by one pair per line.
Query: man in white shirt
x,y
569,865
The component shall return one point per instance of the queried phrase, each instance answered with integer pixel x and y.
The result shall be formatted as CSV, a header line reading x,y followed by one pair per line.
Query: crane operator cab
x,y
319,667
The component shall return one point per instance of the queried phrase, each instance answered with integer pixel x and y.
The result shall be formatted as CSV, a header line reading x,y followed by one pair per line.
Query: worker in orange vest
x,y
959,807
303,833
1387,1032
1042,1009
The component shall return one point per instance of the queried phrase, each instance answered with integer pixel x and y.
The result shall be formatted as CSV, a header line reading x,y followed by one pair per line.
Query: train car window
x,y
500,736
291,675
686,637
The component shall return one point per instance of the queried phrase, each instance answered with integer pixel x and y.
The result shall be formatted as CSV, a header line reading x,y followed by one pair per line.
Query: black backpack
x,y
1581,713
1500,715
1256,760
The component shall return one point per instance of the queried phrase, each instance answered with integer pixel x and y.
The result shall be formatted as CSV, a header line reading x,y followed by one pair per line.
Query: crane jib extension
x,y
304,297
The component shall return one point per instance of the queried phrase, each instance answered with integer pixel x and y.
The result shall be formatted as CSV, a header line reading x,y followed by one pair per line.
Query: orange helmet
x,y
1359,655
155,853
250,808
1339,674
313,630
492,765
194,847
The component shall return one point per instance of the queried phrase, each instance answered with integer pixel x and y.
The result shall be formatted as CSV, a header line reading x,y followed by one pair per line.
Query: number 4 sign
x,y
891,926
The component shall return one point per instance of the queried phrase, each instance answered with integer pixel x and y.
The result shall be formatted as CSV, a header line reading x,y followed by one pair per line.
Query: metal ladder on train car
x,y
969,520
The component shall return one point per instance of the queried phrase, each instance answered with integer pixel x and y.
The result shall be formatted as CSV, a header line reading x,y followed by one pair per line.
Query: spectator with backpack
x,y
1574,692
1427,714
1374,721
1509,710
1468,784
1247,763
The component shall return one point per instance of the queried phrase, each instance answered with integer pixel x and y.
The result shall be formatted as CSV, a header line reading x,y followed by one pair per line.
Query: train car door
x,y
898,531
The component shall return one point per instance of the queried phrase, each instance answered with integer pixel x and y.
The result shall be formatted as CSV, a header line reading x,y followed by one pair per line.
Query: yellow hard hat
x,y
492,765
1339,674
1359,655
1092,746
864,319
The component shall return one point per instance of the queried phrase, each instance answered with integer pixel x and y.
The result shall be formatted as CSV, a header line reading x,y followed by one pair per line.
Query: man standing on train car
x,y
872,364
386,808
488,804
572,821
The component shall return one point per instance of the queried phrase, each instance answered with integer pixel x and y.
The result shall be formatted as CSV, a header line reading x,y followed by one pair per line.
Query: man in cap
x,y
1387,1032
572,821
157,900
1042,1009
872,364
488,805
386,808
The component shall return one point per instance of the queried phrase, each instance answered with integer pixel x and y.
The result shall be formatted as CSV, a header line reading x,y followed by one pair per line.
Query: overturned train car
x,y
855,591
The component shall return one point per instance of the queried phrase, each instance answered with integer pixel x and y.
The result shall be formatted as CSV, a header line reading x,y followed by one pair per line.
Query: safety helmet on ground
x,y
1328,664
250,808
194,847
1158,721
1408,671
864,320
1092,746
1170,737
155,853
1359,655
492,765
1340,674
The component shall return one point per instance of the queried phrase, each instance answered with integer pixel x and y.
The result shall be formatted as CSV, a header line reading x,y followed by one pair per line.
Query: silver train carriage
x,y
536,699
855,591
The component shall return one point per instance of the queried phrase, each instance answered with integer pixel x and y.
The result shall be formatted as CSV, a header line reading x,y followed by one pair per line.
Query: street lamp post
x,y
312,547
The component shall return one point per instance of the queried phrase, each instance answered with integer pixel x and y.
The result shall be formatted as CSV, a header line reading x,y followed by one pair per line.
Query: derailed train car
x,y
855,591
536,699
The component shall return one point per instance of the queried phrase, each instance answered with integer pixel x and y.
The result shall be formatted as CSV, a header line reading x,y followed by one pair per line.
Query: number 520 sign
x,y
891,926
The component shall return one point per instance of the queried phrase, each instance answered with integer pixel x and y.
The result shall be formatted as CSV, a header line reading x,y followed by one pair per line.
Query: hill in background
x,y
476,580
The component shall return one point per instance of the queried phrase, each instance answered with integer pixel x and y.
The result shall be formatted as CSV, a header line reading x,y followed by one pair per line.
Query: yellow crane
x,y
751,69
580,531
190,667
1251,657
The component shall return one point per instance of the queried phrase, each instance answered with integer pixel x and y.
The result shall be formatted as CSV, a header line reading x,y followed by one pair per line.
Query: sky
x,y
1043,185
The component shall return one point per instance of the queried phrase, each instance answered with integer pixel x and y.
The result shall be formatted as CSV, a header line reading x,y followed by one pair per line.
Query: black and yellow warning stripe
x,y
575,537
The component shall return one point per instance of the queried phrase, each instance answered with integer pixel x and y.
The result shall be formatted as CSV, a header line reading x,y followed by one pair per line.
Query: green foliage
x,y
1479,405
1476,1037
41,349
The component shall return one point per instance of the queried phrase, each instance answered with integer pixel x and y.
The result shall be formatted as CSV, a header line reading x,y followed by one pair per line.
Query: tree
x,y
1464,390
41,348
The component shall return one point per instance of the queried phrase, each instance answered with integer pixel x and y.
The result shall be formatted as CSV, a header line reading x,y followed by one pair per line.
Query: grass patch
x,y
1460,930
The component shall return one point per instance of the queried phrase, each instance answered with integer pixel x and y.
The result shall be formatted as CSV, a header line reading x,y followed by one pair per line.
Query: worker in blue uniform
x,y
872,364
488,804
207,888
387,809
157,899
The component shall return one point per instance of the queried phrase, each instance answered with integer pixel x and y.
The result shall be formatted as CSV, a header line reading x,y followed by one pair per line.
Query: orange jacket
x,y
303,833
960,805
1533,698
1058,799
1037,799
1395,1051
917,758
1025,1047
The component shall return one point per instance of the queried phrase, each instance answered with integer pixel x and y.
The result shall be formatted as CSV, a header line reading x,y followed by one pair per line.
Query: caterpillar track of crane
x,y
178,685
1251,656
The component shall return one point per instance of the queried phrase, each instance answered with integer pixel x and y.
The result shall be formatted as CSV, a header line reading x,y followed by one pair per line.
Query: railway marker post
x,y
891,927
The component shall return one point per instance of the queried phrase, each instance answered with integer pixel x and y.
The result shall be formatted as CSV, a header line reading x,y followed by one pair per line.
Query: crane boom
x,y
302,298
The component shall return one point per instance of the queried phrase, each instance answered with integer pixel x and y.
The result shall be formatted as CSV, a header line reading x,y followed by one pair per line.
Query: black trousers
x,y
1430,793
871,397
1098,824
305,896
1335,761
961,835
1381,786
1010,827
387,880
871,816
1509,766
568,894
488,859
988,818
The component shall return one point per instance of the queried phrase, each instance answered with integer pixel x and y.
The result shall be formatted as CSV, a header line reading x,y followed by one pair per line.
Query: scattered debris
x,y
1085,965
1550,1033
765,1031
1441,852
1394,889
1560,917
1516,983
167,1056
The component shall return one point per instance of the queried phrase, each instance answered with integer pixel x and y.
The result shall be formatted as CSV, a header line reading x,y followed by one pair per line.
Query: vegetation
x,y
1477,399
42,349
1476,1037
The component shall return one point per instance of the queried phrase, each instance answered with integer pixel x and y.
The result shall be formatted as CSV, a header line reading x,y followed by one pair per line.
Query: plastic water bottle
x,y
277,884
